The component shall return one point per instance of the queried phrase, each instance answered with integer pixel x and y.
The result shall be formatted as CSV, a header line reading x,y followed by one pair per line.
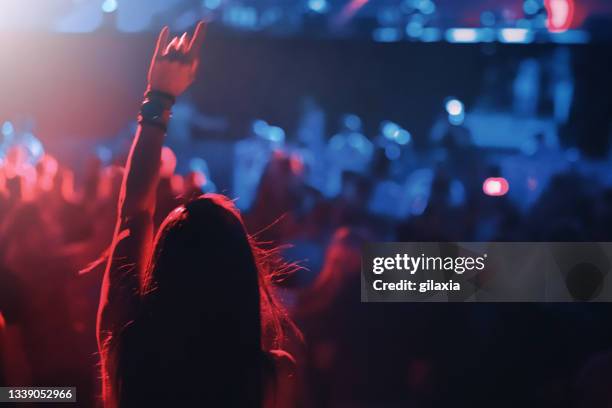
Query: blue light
x,y
431,34
454,107
515,35
427,7
318,6
487,18
462,35
276,134
456,111
104,154
414,29
390,129
197,164
109,6
402,136
7,128
531,7
571,37
351,122
211,4
392,152
260,127
386,34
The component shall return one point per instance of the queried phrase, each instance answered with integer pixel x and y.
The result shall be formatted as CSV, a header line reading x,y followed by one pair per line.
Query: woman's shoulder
x,y
284,362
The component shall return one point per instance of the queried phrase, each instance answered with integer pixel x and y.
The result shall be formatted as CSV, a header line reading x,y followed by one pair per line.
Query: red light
x,y
495,186
560,15
168,162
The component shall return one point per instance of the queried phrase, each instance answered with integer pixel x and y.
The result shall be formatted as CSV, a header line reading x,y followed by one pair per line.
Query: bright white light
x,y
462,35
454,107
515,35
495,186
109,6
319,6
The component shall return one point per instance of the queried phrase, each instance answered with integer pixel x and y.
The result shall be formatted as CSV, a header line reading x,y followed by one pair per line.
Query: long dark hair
x,y
207,314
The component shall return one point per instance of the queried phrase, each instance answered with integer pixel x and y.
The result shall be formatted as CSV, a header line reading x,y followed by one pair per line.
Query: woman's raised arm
x,y
172,70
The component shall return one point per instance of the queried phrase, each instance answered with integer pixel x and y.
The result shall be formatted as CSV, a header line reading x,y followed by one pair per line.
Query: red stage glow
x,y
560,15
495,186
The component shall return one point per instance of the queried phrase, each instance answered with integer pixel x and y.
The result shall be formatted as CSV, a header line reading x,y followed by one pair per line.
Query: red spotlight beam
x,y
348,12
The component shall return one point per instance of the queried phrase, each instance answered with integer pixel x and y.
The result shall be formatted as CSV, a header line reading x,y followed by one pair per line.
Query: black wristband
x,y
153,94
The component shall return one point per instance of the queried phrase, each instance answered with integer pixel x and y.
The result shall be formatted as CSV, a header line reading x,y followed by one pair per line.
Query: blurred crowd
x,y
319,210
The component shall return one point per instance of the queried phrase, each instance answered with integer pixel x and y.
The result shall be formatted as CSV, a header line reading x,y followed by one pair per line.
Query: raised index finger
x,y
162,41
196,40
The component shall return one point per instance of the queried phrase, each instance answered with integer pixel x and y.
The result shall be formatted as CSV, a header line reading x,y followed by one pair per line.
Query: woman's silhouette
x,y
185,316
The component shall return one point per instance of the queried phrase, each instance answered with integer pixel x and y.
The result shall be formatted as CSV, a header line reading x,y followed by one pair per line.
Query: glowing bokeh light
x,y
318,6
454,107
109,6
495,186
560,15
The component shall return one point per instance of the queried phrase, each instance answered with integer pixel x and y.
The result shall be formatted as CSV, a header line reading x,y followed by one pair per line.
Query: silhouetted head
x,y
203,268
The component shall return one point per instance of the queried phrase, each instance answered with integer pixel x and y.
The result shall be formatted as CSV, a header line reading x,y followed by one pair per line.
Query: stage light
x,y
454,107
531,7
515,35
402,136
389,129
462,35
260,127
386,34
495,186
276,134
108,6
426,6
560,15
414,29
211,4
318,6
